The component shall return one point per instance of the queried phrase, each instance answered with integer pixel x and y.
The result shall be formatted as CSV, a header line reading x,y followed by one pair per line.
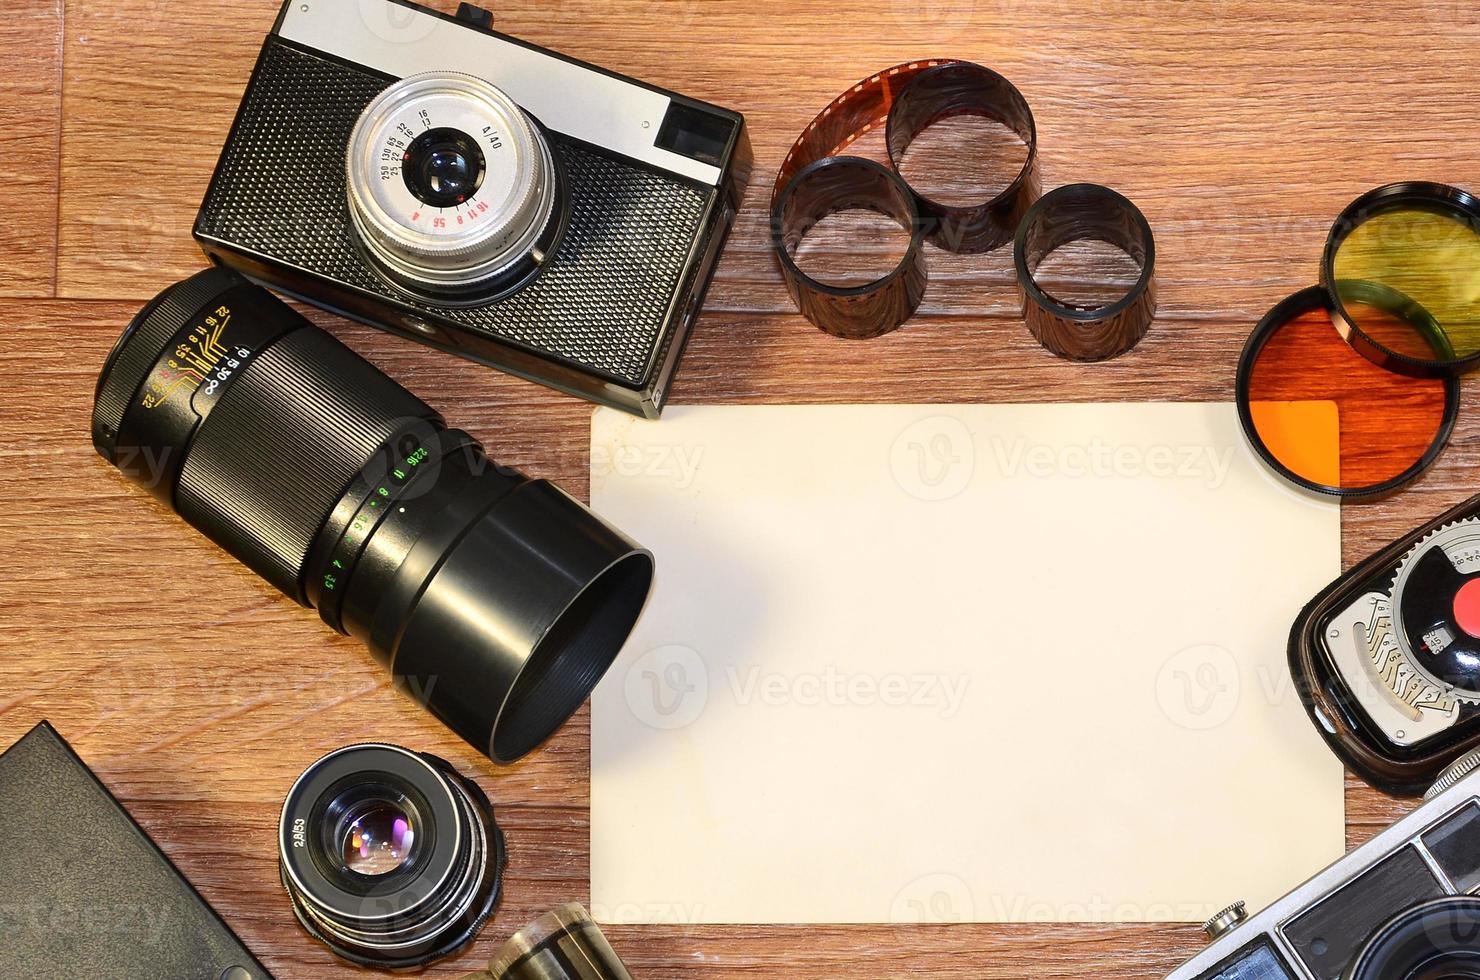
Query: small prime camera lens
x,y
1436,940
443,167
453,189
495,600
390,857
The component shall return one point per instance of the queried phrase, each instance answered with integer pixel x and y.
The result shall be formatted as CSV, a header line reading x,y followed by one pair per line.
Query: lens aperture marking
x,y
431,163
201,361
382,498
450,184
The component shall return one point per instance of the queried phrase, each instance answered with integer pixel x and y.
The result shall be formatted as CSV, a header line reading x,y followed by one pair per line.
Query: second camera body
x,y
494,199
1401,907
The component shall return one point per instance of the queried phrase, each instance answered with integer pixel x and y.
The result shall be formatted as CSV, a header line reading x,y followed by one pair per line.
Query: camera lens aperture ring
x,y
451,185
430,903
136,352
403,474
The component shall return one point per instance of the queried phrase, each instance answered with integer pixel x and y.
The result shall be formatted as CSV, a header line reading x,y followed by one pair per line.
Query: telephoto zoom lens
x,y
391,858
496,600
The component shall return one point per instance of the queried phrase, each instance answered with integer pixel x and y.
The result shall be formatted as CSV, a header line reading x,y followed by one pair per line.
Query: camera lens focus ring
x,y
249,426
452,188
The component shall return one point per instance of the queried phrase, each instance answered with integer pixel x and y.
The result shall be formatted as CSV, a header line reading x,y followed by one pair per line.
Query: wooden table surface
x,y
198,693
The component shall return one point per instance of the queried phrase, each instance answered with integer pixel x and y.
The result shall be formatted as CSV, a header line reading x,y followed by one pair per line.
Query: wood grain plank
x,y
31,119
199,694
1241,135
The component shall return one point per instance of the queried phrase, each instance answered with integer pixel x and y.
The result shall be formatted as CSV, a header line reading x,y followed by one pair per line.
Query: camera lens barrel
x,y
453,189
390,857
497,600
1435,940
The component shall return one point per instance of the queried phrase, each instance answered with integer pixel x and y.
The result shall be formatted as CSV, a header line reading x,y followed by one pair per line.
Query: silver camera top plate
x,y
571,98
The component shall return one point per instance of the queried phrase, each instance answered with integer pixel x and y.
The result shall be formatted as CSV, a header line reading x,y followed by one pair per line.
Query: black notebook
x,y
85,893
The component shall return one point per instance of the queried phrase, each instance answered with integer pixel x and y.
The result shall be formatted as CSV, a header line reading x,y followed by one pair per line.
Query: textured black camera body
x,y
85,892
647,186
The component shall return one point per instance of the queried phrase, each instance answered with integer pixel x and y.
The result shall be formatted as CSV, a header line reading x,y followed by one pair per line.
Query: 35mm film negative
x,y
1082,331
814,181
905,99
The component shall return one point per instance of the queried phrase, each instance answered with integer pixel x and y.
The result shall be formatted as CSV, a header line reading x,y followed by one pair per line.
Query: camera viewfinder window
x,y
1455,845
695,133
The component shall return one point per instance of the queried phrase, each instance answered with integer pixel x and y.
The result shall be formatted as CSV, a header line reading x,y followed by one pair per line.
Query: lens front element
x,y
376,837
443,167
1438,940
452,189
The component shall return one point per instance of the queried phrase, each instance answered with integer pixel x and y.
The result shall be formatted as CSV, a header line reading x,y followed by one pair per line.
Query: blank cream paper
x,y
993,663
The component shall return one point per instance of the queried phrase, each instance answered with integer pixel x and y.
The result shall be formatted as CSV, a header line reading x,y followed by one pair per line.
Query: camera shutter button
x,y
1226,921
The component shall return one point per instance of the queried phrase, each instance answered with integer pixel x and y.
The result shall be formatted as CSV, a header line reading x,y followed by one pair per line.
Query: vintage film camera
x,y
1401,907
1387,658
431,177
